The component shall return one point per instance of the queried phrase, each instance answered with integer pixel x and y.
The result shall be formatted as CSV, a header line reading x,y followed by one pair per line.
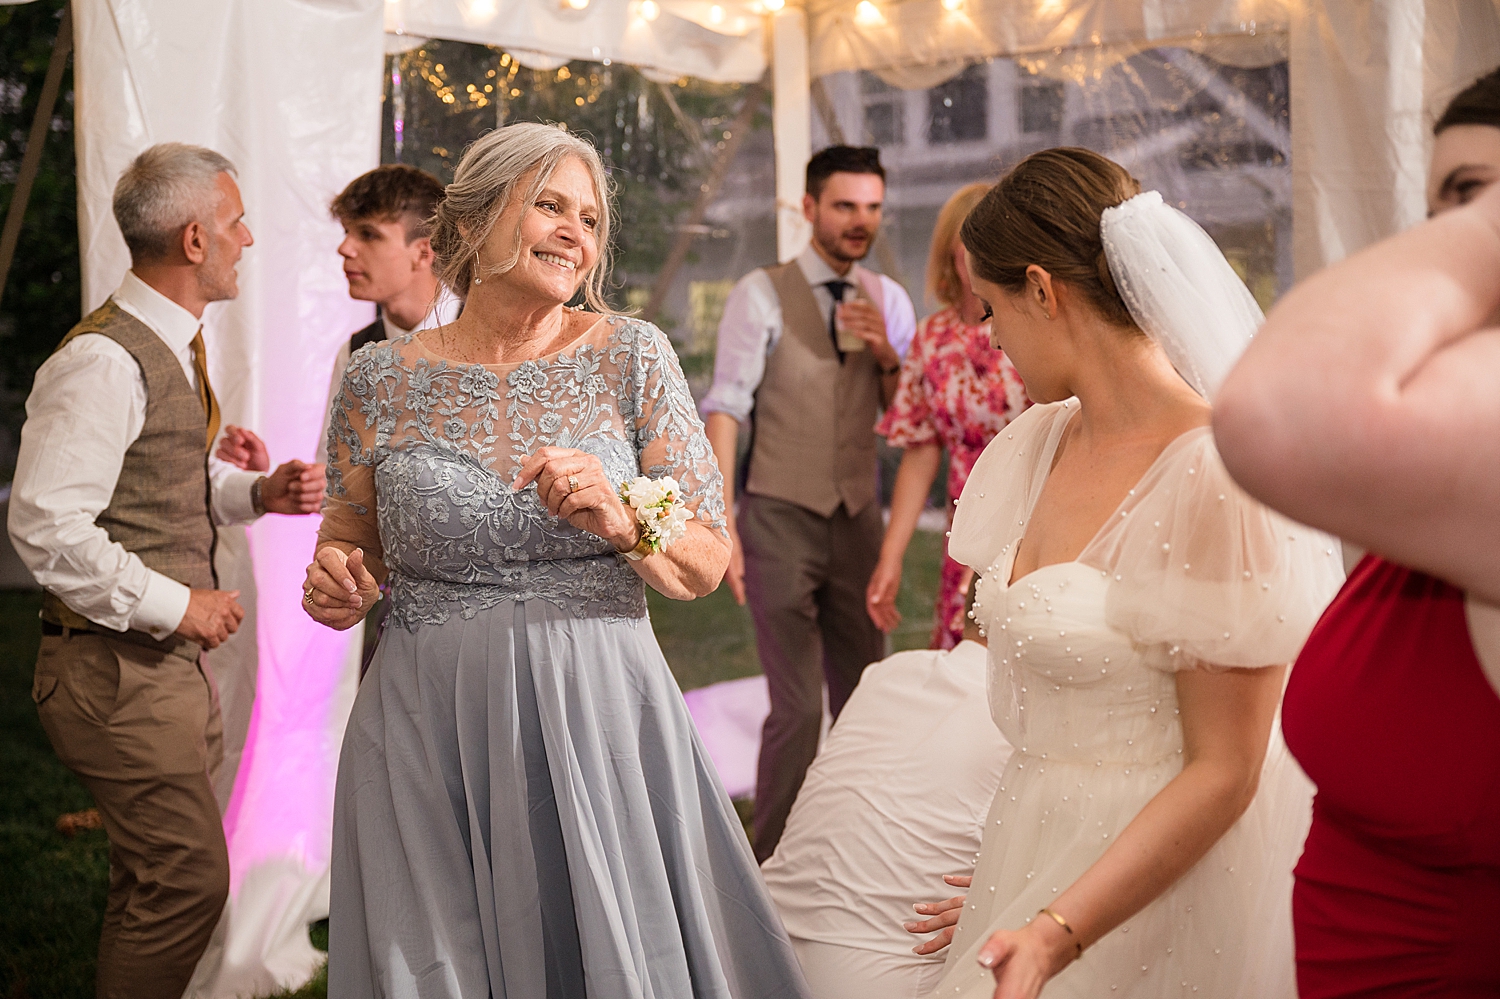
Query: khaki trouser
x,y
805,580
141,729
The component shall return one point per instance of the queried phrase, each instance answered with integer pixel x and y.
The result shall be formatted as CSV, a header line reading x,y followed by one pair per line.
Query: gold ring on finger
x,y
572,483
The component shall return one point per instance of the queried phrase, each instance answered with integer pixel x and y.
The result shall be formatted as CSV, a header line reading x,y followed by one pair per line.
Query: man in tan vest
x,y
113,510
808,353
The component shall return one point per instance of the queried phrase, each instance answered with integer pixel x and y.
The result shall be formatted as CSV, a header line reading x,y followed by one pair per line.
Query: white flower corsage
x,y
658,509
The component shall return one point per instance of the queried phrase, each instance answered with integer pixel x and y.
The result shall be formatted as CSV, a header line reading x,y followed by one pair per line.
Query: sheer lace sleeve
x,y
669,437
1203,575
361,419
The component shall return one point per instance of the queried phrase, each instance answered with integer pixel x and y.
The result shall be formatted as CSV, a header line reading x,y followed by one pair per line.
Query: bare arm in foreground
x,y
1369,404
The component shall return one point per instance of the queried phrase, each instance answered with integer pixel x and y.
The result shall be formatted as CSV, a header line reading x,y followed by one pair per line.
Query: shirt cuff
x,y
162,606
727,402
232,498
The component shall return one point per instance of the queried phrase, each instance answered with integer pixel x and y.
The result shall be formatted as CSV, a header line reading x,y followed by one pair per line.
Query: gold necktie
x,y
205,390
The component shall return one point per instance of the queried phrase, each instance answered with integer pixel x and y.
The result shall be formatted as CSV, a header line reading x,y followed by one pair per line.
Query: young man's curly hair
x,y
391,193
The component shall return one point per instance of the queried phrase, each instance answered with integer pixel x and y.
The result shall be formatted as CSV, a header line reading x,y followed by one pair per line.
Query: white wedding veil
x,y
1179,288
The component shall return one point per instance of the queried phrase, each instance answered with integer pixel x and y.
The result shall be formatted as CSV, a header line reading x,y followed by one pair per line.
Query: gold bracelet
x,y
1064,924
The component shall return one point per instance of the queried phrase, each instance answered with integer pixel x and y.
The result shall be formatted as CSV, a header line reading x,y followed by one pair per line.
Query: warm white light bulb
x,y
716,14
867,14
575,4
951,5
774,5
650,10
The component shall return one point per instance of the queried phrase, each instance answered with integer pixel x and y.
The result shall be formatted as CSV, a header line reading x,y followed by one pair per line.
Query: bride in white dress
x,y
1141,610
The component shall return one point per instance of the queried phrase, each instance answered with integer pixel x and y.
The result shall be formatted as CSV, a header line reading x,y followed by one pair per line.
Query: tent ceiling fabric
x,y
721,41
909,42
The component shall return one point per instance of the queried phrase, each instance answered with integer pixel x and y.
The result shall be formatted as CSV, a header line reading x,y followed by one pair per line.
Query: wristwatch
x,y
257,493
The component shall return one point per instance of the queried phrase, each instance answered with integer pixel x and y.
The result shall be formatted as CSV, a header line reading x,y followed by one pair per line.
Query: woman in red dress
x,y
956,392
1368,406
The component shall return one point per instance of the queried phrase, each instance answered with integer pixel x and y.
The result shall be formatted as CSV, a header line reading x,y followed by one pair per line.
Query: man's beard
x,y
833,247
215,280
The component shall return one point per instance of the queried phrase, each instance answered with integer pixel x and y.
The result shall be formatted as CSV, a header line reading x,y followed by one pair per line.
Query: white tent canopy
x,y
722,41
1366,76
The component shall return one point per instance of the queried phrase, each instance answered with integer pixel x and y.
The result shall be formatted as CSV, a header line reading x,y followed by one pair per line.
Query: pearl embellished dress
x,y
1190,572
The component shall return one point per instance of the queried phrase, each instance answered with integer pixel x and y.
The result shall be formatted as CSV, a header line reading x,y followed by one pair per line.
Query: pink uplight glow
x,y
285,781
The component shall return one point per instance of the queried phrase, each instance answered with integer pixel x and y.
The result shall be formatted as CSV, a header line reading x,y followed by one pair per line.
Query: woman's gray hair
x,y
161,191
489,178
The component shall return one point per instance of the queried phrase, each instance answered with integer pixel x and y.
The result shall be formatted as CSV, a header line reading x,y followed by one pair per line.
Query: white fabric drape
x,y
716,40
290,91
1369,77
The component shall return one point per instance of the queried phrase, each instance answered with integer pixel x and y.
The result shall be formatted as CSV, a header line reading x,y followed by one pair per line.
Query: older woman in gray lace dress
x,y
523,808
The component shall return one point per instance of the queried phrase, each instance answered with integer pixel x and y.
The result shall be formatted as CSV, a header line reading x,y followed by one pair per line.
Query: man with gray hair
x,y
113,510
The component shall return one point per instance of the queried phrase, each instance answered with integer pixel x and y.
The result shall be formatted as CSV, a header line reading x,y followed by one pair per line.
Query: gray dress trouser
x,y
805,580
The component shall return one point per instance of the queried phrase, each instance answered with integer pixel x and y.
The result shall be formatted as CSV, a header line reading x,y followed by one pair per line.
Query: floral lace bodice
x,y
422,451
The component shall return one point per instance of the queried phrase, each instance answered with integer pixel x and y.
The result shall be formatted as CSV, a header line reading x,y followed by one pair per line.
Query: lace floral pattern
x,y
422,452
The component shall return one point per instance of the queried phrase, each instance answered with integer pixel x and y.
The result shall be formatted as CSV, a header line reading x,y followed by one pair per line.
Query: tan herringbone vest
x,y
160,506
814,418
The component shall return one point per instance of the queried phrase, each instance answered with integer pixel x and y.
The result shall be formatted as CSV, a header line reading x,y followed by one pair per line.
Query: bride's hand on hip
x,y
942,917
1024,960
572,485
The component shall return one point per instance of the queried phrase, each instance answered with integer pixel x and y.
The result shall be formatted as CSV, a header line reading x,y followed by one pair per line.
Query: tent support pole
x,y
31,160
687,231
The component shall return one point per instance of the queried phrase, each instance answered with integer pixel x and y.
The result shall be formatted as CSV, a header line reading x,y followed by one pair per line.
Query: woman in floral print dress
x,y
956,392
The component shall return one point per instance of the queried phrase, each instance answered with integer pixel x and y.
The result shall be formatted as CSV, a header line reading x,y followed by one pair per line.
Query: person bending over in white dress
x,y
898,790
1141,610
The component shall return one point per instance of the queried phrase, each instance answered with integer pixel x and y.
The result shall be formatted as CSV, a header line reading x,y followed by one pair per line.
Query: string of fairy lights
x,y
498,83
464,80
502,82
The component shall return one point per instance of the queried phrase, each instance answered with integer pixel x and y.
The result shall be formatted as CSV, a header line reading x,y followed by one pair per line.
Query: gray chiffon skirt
x,y
524,810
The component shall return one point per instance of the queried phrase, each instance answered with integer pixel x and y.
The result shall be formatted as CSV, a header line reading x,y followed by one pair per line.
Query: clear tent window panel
x,y
958,111
660,140
1213,137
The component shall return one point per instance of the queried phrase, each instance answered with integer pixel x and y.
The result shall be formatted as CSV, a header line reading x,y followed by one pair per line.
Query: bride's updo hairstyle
x,y
1046,212
489,177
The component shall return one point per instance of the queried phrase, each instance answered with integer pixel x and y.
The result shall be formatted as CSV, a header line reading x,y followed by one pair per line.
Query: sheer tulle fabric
x,y
1200,573
1082,661
1179,288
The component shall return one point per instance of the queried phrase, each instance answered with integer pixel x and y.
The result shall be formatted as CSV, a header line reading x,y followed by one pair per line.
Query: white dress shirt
x,y
444,311
752,325
87,406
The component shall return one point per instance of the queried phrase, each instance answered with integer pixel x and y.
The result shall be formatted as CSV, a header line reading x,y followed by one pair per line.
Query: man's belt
x,y
60,619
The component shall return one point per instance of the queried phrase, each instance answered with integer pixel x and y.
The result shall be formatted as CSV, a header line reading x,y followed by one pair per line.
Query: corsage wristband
x,y
659,512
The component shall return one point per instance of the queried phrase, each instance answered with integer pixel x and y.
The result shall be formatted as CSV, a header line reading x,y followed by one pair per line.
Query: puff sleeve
x,y
1202,575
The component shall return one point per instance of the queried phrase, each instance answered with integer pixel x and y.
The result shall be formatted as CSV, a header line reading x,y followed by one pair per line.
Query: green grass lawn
x,y
52,889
